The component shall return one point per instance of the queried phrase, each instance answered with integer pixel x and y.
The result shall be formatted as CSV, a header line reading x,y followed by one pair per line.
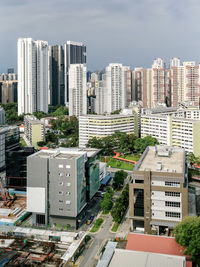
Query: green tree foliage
x,y
39,114
116,111
187,234
107,203
121,205
142,143
192,159
57,111
51,138
61,111
11,113
122,142
118,180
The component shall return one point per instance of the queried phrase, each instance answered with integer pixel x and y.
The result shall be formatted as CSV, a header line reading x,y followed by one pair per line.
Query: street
x,y
99,237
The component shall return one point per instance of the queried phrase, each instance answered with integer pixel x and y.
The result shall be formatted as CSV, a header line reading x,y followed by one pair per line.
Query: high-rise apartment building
x,y
56,84
74,53
77,90
118,87
8,92
141,86
32,76
158,194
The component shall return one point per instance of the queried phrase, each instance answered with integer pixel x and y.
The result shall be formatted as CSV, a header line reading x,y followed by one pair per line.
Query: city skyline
x,y
129,32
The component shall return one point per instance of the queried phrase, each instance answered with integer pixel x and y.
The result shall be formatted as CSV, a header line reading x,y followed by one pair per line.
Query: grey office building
x,y
56,75
60,182
74,53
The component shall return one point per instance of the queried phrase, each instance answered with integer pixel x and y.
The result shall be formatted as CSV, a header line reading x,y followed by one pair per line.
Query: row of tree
x,y
122,142
118,182
121,205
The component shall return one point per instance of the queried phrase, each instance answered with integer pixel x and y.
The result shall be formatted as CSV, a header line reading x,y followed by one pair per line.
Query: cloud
x,y
128,31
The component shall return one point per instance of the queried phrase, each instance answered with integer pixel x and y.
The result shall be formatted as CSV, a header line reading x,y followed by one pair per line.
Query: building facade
x,y
74,53
34,130
158,194
101,126
56,84
177,128
60,183
32,76
77,90
118,87
8,93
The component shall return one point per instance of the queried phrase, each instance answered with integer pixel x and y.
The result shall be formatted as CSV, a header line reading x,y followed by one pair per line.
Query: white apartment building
x,y
180,128
118,87
32,76
77,90
104,125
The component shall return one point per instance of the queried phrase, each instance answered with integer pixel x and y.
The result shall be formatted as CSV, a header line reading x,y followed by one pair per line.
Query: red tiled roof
x,y
155,244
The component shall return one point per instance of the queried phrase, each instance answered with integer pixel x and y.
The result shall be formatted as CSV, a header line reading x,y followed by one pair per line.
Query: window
x,y
68,166
172,214
67,193
60,209
172,204
60,174
68,184
60,201
60,166
68,202
60,183
175,184
60,192
67,174
172,194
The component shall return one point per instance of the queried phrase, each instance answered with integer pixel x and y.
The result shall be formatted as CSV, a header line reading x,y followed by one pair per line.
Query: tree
x,y
122,142
118,179
121,205
142,143
51,137
11,113
187,234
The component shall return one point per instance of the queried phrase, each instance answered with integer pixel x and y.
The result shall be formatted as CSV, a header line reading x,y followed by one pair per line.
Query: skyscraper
x,y
117,87
77,90
32,76
56,75
74,53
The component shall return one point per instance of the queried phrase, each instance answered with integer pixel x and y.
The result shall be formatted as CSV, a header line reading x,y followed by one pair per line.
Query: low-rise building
x,y
158,196
34,130
104,125
60,183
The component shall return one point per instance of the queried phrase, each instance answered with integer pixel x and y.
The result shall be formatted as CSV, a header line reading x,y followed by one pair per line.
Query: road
x,y
99,237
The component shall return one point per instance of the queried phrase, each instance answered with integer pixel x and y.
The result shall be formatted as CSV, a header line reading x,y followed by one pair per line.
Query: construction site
x,y
33,247
12,206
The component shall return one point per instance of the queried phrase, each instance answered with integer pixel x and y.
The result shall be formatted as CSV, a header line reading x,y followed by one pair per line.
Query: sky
x,y
131,32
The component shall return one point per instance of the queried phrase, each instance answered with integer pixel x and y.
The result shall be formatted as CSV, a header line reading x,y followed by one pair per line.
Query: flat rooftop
x,y
162,159
129,258
66,153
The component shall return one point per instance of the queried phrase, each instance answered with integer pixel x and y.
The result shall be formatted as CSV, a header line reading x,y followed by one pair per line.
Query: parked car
x,y
90,220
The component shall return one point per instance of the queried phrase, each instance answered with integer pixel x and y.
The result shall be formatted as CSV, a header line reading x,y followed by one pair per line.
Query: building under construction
x,y
33,247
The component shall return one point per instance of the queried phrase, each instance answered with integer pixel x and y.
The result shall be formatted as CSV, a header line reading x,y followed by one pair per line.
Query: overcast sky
x,y
132,32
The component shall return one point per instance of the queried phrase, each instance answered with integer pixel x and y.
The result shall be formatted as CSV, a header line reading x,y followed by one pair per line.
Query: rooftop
x,y
162,159
155,244
129,258
66,153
